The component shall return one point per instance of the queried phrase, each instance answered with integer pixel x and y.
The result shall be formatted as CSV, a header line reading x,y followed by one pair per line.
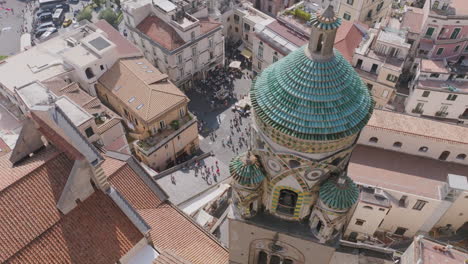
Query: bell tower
x,y
323,34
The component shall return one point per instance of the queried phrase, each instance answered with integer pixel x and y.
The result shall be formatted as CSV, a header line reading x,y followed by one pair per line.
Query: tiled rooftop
x,y
312,100
400,172
34,231
146,91
171,229
413,20
160,32
418,126
433,66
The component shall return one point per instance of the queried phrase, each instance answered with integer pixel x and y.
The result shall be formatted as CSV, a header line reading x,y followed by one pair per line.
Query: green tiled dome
x,y
339,196
312,100
246,169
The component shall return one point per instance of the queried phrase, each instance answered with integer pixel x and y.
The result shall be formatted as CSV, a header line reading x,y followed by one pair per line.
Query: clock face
x,y
314,174
274,165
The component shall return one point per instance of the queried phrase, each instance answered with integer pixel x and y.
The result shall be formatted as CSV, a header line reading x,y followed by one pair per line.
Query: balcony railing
x,y
441,114
154,142
463,116
417,111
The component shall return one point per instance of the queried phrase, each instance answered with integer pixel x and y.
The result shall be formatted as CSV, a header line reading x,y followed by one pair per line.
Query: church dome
x,y
312,100
246,170
310,97
339,193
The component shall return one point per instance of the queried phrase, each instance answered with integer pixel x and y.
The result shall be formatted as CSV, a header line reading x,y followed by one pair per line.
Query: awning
x,y
246,53
235,65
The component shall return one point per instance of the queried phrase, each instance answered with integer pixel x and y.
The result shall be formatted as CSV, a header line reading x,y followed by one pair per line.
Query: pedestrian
x,y
217,164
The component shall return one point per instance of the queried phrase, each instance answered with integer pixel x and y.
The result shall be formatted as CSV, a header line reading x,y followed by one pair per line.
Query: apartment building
x,y
439,90
287,33
427,250
177,37
408,170
154,110
242,22
444,34
80,54
369,12
96,122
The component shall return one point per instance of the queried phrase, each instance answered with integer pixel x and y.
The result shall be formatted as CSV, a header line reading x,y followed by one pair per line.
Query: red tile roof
x,y
348,38
160,32
33,230
207,25
4,148
124,47
171,229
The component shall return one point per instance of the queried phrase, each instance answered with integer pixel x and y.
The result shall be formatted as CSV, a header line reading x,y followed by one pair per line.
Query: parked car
x,y
74,1
48,32
76,12
65,7
67,23
45,25
40,12
39,32
44,17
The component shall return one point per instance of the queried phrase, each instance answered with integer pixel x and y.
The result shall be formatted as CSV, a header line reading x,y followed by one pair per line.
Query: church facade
x,y
291,193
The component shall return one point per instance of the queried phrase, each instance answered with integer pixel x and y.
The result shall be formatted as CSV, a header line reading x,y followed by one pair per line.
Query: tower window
x,y
397,144
275,259
319,43
262,257
373,140
423,149
287,202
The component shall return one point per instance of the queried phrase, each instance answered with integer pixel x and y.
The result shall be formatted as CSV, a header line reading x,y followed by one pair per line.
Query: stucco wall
x,y
372,218
412,143
457,215
241,235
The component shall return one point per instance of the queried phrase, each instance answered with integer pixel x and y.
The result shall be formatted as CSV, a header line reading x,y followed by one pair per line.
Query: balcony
x,y
441,114
463,117
417,111
154,142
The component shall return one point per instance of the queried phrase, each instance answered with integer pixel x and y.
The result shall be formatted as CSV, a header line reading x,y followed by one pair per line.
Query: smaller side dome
x,y
246,170
339,193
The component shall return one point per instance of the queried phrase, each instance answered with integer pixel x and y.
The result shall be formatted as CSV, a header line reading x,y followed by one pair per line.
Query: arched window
x,y
287,202
397,144
319,43
275,259
294,164
89,73
368,207
423,149
461,156
444,155
262,257
373,140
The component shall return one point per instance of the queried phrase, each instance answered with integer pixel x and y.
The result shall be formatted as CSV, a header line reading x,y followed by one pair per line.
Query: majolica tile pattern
x,y
246,170
338,196
299,101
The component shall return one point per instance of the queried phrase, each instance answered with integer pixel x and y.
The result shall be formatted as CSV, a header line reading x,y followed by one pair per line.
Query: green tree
x,y
97,3
84,14
110,16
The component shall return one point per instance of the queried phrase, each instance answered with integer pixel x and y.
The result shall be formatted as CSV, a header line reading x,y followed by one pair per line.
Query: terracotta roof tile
x,y
423,127
169,257
413,20
171,229
207,25
34,230
160,32
4,148
348,38
124,47
147,92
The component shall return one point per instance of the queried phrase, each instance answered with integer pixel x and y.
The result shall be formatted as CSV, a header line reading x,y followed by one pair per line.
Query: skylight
x,y
118,87
145,67
139,106
149,71
139,63
131,99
